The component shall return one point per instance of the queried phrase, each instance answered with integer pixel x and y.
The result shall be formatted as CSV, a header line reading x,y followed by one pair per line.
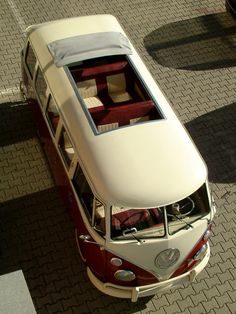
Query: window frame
x,y
91,216
95,218
42,103
78,192
68,162
200,196
142,233
29,46
53,129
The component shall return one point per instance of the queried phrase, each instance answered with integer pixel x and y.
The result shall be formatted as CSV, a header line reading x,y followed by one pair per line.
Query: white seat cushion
x,y
116,85
120,97
107,127
88,91
70,152
138,120
92,102
87,88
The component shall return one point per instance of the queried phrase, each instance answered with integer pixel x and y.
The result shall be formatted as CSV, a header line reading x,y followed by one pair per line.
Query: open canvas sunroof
x,y
73,49
112,93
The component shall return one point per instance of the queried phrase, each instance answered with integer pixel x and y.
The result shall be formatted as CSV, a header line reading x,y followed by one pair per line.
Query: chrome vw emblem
x,y
167,258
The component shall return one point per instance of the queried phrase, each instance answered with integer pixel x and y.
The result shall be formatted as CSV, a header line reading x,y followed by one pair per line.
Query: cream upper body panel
x,y
144,165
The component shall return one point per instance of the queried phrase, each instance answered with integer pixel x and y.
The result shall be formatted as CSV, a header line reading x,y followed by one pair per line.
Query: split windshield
x,y
133,223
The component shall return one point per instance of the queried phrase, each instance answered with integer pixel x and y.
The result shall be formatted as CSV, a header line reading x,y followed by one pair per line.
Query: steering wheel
x,y
134,218
178,210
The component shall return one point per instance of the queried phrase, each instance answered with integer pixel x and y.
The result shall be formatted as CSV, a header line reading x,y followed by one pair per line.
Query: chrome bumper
x,y
134,293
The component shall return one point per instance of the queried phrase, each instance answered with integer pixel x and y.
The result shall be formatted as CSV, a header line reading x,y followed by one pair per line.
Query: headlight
x,y
167,258
200,253
124,275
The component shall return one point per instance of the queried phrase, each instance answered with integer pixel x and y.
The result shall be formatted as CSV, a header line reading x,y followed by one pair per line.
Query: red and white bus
x,y
128,172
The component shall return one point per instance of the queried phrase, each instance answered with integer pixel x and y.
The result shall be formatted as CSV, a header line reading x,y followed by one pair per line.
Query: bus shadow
x,y
201,43
214,134
16,123
36,232
37,237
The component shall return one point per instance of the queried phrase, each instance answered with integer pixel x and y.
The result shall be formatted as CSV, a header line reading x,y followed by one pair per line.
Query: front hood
x,y
144,254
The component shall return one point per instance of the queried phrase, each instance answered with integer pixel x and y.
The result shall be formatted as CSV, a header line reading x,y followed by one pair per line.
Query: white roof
x,y
144,165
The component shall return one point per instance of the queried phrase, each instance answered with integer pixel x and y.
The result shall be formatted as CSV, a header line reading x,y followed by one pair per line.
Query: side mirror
x,y
86,238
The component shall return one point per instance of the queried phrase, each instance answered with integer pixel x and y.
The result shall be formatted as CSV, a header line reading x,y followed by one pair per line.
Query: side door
x,y
82,204
90,231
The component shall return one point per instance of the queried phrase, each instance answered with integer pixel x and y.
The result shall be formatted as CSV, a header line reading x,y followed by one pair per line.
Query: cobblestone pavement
x,y
189,46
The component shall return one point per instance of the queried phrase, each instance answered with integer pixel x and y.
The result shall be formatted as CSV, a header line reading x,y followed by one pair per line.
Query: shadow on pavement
x,y
37,235
201,43
16,123
215,136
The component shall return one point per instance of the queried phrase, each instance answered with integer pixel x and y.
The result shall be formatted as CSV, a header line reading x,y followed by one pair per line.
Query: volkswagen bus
x,y
132,179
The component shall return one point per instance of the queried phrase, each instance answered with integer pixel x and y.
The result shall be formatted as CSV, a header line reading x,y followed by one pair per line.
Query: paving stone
x,y
197,310
232,307
223,299
200,85
173,308
210,305
223,309
174,297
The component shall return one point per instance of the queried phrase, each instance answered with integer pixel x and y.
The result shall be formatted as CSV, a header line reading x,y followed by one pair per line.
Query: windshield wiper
x,y
132,231
181,219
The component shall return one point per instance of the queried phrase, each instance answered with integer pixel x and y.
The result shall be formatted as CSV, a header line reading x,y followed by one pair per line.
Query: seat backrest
x,y
123,114
116,83
104,70
87,88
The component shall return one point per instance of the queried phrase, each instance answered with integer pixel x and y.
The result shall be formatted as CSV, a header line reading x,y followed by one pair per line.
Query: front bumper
x,y
134,293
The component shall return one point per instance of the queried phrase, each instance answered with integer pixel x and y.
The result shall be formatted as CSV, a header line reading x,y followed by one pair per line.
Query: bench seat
x,y
123,114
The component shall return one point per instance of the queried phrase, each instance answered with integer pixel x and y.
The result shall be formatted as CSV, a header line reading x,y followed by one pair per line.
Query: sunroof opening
x,y
113,93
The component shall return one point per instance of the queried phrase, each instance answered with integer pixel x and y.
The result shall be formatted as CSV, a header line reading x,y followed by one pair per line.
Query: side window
x,y
52,114
41,87
84,191
30,60
66,147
